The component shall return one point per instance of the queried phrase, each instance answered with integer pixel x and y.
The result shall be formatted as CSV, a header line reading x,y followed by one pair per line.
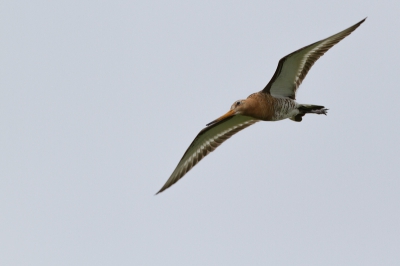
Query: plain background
x,y
99,100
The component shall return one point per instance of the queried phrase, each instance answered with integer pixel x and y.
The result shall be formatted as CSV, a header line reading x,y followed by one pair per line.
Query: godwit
x,y
275,102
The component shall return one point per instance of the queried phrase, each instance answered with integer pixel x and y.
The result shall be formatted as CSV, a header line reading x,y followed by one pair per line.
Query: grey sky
x,y
99,100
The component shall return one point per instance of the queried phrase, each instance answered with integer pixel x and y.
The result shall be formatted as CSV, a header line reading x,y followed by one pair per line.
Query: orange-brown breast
x,y
260,105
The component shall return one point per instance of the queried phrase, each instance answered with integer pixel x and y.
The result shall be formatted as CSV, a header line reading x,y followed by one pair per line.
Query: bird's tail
x,y
309,109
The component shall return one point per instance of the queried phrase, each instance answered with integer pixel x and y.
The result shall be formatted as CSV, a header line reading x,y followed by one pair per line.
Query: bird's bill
x,y
225,116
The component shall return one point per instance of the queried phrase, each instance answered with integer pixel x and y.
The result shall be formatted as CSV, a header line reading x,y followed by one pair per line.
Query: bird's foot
x,y
322,111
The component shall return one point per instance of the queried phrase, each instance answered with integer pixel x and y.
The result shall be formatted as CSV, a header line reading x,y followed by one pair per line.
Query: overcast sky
x,y
100,99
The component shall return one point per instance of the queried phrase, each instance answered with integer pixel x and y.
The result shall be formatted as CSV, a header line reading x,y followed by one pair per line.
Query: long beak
x,y
225,116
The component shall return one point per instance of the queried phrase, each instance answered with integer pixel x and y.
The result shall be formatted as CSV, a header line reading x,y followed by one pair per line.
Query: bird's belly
x,y
283,115
284,108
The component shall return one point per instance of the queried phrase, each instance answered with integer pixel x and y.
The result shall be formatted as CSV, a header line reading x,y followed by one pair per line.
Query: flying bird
x,y
277,101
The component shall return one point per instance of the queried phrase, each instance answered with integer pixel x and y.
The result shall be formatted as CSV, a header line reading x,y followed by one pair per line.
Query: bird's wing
x,y
207,141
293,68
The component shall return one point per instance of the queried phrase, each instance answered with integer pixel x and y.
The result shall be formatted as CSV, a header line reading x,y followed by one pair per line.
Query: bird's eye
x,y
237,103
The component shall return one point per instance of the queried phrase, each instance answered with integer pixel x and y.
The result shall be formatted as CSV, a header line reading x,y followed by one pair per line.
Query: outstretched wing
x,y
293,68
207,141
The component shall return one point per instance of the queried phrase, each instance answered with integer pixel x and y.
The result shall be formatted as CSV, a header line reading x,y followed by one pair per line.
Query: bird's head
x,y
237,108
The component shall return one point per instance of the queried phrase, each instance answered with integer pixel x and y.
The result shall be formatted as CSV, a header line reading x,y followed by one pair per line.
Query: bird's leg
x,y
309,109
312,109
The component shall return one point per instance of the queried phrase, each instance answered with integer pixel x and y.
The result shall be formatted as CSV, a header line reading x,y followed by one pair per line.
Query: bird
x,y
277,101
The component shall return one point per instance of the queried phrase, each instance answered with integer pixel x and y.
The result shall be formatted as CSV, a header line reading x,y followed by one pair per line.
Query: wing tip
x,y
162,189
355,26
171,181
362,21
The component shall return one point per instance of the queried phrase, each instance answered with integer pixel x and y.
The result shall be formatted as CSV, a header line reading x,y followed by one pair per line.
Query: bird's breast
x,y
261,106
268,108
